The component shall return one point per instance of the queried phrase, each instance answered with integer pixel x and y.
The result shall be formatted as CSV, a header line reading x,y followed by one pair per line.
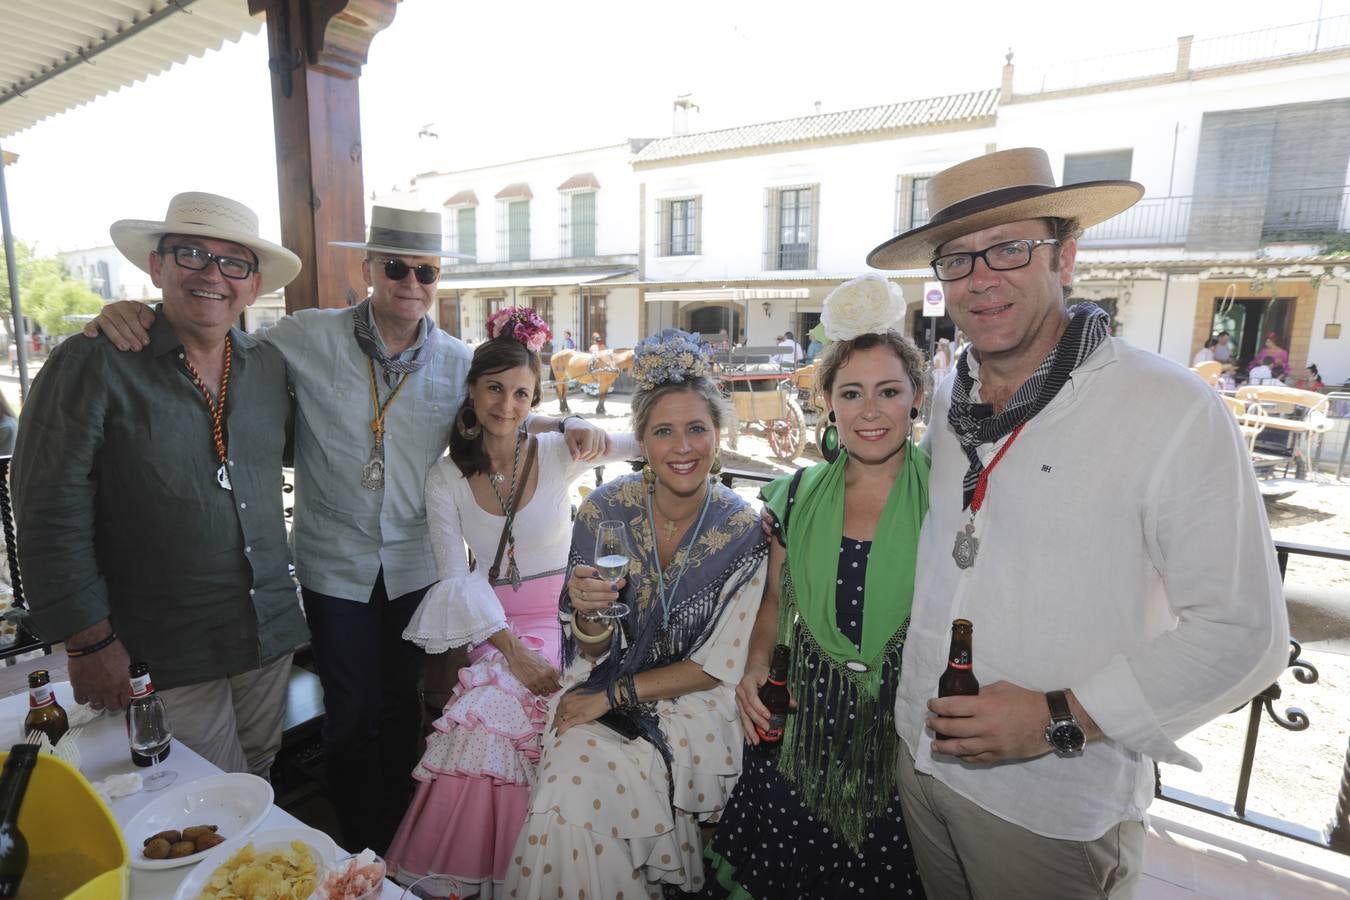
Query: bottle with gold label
x,y
44,713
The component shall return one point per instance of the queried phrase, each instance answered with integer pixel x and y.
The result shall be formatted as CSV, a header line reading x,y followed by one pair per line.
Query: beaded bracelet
x,y
102,643
585,638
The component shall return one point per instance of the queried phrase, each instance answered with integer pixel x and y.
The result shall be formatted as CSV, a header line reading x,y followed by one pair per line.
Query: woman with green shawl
x,y
820,815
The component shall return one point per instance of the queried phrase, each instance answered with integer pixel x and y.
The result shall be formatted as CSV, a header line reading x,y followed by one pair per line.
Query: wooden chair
x,y
1303,413
1251,419
1210,371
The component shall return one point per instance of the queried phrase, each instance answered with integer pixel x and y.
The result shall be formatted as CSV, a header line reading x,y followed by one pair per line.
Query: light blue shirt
x,y
344,533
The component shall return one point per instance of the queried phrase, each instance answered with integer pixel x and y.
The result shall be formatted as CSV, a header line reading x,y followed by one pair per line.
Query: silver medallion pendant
x,y
966,547
372,473
223,478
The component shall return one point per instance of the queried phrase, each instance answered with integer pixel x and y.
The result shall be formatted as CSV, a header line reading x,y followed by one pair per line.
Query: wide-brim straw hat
x,y
208,216
995,189
403,232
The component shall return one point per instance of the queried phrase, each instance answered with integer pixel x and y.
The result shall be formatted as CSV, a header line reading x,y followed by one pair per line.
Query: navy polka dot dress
x,y
778,849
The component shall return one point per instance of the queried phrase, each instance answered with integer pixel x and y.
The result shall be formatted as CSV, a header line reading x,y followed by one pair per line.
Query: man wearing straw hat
x,y
147,489
1095,515
376,387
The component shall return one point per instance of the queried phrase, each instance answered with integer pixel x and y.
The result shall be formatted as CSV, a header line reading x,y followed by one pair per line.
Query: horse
x,y
602,370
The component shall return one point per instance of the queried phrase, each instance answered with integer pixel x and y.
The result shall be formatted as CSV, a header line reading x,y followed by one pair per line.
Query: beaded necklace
x,y
217,410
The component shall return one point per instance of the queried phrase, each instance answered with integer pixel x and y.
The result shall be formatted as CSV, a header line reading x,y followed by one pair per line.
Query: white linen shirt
x,y
1124,554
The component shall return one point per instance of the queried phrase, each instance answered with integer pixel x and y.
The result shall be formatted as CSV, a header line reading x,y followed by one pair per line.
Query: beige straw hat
x,y
402,232
209,216
1002,187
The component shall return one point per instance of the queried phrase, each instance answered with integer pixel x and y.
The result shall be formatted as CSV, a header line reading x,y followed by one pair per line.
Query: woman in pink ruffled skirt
x,y
494,489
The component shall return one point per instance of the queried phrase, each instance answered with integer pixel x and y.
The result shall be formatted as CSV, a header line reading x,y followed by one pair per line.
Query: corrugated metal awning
x,y
568,279
59,54
728,295
583,181
463,198
518,191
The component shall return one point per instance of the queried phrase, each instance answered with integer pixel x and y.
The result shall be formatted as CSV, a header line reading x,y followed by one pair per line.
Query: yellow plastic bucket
x,y
75,846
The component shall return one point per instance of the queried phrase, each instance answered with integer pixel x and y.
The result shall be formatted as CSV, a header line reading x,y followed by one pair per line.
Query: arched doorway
x,y
713,321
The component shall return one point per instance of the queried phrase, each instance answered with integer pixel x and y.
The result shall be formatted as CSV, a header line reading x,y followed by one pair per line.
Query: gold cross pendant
x,y
669,529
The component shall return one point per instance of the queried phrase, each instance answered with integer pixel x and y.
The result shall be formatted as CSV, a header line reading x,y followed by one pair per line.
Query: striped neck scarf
x,y
977,423
370,345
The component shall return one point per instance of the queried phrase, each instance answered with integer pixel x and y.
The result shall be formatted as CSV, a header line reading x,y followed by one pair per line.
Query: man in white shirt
x,y
793,357
1262,374
1093,512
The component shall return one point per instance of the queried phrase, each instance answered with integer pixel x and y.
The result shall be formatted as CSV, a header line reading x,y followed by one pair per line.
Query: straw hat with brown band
x,y
995,189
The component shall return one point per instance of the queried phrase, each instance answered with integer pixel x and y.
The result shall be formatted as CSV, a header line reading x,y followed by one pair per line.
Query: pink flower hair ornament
x,y
520,323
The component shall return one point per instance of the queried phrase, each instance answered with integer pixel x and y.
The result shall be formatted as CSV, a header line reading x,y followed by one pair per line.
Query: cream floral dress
x,y
601,823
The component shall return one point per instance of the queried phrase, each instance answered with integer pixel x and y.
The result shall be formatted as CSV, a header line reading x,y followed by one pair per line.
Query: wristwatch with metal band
x,y
1064,734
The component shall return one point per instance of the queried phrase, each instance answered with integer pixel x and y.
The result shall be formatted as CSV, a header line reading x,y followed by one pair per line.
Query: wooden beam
x,y
317,49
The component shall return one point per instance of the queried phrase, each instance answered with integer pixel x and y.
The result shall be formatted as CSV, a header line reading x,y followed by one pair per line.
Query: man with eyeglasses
x,y
377,387
147,492
1093,512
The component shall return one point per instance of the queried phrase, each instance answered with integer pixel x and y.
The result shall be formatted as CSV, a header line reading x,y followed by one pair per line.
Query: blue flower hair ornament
x,y
671,357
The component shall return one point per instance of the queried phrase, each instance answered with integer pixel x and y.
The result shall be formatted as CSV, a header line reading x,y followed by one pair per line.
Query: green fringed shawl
x,y
859,782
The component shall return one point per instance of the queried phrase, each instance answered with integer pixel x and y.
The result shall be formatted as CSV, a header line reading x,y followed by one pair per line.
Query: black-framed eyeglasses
x,y
397,270
1000,257
196,259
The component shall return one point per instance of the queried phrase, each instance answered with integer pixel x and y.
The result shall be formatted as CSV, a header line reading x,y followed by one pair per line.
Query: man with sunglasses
x,y
1093,511
377,387
147,489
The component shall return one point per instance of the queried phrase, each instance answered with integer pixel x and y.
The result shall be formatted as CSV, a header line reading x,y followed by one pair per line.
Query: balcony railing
x,y
1228,222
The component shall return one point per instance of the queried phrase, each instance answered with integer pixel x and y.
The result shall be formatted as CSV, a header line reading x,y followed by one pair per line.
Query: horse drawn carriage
x,y
763,398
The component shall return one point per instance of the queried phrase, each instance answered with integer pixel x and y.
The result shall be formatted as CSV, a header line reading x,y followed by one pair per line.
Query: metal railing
x,y
1228,222
1337,834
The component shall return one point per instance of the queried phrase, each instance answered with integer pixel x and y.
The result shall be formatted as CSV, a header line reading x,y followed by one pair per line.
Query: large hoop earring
x,y
648,477
467,424
829,441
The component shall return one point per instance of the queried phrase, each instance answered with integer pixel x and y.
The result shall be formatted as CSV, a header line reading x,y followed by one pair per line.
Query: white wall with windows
x,y
109,274
569,206
813,210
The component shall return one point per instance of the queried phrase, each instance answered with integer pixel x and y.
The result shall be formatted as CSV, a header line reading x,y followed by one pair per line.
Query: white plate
x,y
233,802
321,847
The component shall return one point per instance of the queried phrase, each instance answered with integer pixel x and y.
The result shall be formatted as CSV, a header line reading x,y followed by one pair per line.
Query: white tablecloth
x,y
104,752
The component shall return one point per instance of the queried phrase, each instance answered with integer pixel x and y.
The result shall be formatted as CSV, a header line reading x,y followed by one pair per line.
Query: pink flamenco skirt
x,y
480,761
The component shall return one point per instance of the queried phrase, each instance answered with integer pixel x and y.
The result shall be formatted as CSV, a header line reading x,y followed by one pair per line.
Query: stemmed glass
x,y
149,734
611,560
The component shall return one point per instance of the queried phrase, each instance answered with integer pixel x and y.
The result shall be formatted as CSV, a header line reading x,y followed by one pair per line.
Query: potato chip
x,y
276,873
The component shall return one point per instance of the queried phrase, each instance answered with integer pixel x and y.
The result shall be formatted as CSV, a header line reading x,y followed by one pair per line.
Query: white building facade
x,y
108,273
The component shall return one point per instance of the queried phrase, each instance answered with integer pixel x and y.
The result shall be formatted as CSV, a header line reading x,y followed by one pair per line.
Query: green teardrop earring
x,y
829,441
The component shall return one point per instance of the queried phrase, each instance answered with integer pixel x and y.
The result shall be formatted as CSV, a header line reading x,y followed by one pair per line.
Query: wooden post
x,y
317,49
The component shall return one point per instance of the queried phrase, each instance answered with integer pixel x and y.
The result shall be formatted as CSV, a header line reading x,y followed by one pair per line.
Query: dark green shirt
x,y
120,516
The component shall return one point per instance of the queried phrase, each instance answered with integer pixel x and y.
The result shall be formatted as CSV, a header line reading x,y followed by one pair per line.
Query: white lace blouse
x,y
462,608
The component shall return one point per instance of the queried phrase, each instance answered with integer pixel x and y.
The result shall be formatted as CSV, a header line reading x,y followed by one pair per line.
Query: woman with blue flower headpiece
x,y
647,744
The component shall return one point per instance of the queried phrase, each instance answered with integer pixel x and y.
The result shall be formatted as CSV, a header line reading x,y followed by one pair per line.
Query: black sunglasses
x,y
397,270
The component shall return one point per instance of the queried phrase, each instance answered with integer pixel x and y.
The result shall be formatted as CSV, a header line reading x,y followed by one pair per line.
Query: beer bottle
x,y
152,744
774,695
44,713
13,845
959,678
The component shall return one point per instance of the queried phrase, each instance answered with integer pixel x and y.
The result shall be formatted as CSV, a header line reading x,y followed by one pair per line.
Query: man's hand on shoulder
x,y
126,323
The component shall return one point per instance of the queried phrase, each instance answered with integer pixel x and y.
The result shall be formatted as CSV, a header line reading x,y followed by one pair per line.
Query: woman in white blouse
x,y
506,496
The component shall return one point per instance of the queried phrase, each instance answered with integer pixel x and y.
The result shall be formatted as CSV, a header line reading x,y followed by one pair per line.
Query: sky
x,y
497,82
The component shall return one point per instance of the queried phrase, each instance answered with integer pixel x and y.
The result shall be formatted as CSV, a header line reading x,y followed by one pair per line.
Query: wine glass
x,y
611,560
149,735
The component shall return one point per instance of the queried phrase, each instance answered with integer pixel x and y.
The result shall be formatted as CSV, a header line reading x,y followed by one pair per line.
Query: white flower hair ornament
x,y
866,305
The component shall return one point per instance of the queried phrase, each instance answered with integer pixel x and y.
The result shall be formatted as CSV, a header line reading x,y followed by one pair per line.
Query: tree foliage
x,y
46,292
